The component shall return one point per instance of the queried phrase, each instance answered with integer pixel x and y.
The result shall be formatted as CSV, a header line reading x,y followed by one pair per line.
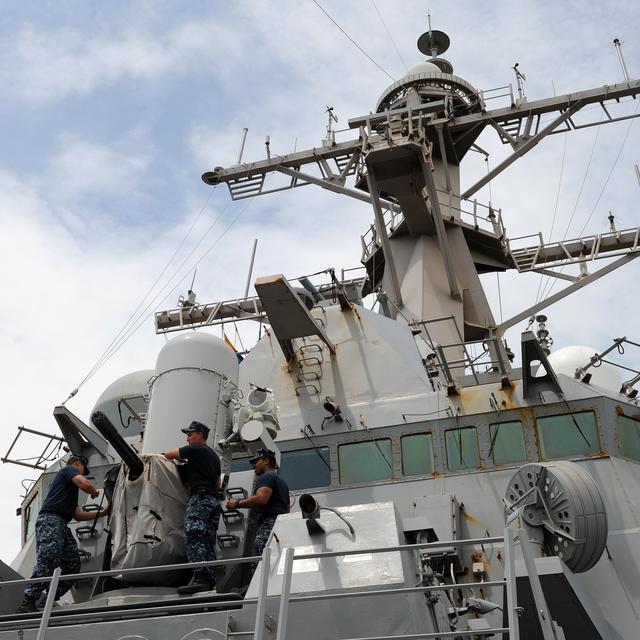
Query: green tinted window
x,y
629,437
462,448
365,461
507,442
30,516
306,468
568,435
240,464
417,454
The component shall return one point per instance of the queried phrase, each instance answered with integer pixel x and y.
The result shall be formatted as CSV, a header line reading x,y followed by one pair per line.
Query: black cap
x,y
80,458
197,426
264,453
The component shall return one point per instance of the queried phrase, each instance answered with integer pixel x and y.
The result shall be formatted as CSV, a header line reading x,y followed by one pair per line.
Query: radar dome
x,y
568,359
423,67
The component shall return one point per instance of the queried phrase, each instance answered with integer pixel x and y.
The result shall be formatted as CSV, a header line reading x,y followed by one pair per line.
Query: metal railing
x,y
286,599
470,212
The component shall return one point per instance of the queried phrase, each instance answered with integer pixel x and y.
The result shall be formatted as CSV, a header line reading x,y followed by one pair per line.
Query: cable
x,y
404,64
352,40
124,327
555,208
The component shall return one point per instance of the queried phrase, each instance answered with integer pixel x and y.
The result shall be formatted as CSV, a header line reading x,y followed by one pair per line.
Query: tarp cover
x,y
147,519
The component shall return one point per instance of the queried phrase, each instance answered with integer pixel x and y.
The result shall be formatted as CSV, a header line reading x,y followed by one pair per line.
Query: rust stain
x,y
435,474
471,519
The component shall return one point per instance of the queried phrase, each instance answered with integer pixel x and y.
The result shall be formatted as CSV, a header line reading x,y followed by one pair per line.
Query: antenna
x,y
638,174
618,45
520,78
195,271
331,136
253,257
244,139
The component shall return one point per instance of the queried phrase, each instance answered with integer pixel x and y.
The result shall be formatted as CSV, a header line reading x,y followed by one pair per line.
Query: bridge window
x,y
30,516
365,461
306,468
240,464
417,454
507,442
462,448
629,437
569,434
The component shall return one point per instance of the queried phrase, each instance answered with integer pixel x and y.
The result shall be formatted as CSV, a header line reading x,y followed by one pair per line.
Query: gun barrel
x,y
110,433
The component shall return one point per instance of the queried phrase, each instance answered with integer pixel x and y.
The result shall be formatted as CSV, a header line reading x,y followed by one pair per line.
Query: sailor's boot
x,y
196,584
28,605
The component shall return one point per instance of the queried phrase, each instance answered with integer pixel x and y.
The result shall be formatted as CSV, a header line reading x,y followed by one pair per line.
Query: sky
x,y
112,111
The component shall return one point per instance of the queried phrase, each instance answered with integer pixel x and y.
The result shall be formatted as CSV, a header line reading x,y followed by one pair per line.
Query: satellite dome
x,y
423,67
568,359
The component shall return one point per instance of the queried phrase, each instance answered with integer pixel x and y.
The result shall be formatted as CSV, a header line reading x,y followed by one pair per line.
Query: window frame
x,y
429,434
477,447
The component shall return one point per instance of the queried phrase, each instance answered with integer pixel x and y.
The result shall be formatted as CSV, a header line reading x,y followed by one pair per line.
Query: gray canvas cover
x,y
147,518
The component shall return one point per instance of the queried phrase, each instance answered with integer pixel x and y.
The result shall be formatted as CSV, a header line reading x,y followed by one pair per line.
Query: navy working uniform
x,y
55,544
278,503
269,504
202,514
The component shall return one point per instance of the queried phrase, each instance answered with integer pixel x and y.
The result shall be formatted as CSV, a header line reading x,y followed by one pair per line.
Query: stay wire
x,y
352,40
404,64
108,353
606,182
152,287
142,319
555,208
548,286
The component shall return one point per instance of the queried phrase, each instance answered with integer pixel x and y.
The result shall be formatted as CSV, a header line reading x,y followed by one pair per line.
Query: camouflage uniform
x,y
200,527
263,532
55,547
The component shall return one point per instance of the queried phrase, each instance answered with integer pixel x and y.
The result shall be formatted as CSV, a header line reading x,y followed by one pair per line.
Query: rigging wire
x,y
352,40
606,182
106,355
555,208
129,320
404,64
546,290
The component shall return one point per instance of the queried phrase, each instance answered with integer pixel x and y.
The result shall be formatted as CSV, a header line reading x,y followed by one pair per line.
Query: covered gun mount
x,y
128,455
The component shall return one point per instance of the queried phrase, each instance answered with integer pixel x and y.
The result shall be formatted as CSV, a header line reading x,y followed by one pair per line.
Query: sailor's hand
x,y
232,503
104,512
95,494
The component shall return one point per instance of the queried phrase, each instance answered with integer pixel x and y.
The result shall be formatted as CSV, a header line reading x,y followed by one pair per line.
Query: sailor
x,y
270,498
55,544
202,515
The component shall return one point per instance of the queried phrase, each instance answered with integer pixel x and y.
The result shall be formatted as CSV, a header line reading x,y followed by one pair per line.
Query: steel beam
x,y
583,282
441,233
382,232
524,148
336,187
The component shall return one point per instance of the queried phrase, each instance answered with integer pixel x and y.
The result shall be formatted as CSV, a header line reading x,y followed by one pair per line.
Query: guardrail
x,y
287,599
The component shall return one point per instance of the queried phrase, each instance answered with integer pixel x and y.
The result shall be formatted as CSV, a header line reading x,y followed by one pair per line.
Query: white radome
x,y
568,359
423,67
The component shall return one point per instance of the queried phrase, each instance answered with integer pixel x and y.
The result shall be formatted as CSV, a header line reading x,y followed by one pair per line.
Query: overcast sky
x,y
111,112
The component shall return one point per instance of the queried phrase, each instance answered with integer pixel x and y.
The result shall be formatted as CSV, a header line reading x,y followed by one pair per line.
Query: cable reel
x,y
563,499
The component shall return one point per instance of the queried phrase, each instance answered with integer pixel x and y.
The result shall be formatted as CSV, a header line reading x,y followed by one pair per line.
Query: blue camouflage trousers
x,y
201,520
265,526
55,547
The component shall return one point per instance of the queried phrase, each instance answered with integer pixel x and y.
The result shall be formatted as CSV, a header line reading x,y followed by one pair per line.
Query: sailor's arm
x,y
82,516
260,498
85,485
174,454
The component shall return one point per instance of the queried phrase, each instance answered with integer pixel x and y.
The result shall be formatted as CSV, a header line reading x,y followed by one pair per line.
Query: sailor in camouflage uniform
x,y
270,497
55,544
202,514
